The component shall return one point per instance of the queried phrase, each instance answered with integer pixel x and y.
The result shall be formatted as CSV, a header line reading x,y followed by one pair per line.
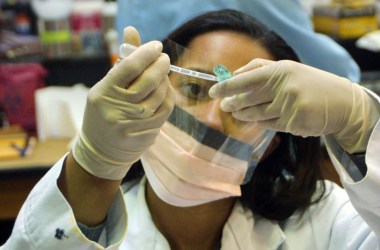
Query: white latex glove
x,y
291,97
125,110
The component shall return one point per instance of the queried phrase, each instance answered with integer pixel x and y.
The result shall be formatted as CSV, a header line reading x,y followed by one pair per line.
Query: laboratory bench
x,y
18,177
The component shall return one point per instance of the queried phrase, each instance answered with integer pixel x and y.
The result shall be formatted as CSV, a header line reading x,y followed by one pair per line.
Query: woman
x,y
191,198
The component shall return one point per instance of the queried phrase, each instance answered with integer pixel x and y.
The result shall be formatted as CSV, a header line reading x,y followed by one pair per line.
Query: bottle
x,y
86,25
111,38
53,26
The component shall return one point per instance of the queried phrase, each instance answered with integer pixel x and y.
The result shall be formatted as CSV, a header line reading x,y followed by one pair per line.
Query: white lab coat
x,y
46,220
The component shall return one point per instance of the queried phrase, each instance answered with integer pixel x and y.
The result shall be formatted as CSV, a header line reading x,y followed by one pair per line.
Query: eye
x,y
194,90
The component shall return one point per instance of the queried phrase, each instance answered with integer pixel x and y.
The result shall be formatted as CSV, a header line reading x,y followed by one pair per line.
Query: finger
x,y
166,108
146,83
245,100
244,82
157,97
258,113
272,124
143,109
160,116
254,64
277,115
131,36
117,62
132,66
150,79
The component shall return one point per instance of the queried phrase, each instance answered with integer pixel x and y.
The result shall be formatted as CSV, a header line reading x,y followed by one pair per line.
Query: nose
x,y
213,115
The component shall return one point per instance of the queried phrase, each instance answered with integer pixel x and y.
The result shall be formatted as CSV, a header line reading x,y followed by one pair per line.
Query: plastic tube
x,y
126,49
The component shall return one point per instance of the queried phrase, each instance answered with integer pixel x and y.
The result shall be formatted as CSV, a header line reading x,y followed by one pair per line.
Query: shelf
x,y
86,69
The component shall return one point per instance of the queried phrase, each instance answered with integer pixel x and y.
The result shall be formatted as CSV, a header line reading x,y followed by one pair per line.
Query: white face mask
x,y
188,170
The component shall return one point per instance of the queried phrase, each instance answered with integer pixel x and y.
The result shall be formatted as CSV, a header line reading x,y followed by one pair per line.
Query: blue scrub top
x,y
156,19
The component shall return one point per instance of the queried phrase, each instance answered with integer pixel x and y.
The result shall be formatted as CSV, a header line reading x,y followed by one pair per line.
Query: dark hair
x,y
286,180
229,20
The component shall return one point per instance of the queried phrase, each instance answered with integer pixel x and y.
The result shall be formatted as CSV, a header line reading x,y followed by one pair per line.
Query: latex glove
x,y
291,97
125,110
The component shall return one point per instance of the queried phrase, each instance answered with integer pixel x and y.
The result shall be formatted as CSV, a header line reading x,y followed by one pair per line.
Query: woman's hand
x,y
291,97
123,116
125,110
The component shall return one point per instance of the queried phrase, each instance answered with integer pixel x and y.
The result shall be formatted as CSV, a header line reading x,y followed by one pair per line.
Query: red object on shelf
x,y
18,83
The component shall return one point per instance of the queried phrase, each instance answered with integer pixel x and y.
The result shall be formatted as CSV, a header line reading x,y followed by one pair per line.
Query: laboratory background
x,y
52,52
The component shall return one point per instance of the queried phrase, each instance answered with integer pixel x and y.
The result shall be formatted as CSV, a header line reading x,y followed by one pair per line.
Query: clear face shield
x,y
202,146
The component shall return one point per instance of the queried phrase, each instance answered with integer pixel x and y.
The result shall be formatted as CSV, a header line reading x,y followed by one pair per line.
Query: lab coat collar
x,y
142,233
245,231
242,230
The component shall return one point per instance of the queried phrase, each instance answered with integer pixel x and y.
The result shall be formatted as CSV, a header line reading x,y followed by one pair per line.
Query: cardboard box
x,y
342,22
354,3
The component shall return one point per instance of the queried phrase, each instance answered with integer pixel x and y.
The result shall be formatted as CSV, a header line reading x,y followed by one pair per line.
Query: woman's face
x,y
230,49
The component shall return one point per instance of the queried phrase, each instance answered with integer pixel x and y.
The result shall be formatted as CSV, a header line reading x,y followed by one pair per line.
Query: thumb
x,y
131,36
254,64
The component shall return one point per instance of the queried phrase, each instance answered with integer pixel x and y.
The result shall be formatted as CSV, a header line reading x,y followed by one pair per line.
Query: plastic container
x,y
86,25
54,26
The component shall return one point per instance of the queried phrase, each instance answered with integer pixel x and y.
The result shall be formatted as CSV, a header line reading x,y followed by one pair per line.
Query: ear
x,y
272,146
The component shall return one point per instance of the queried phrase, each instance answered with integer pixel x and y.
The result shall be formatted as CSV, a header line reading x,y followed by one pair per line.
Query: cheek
x,y
248,132
199,109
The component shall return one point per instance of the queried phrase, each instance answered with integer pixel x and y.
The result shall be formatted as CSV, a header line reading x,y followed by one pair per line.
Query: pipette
x,y
126,49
